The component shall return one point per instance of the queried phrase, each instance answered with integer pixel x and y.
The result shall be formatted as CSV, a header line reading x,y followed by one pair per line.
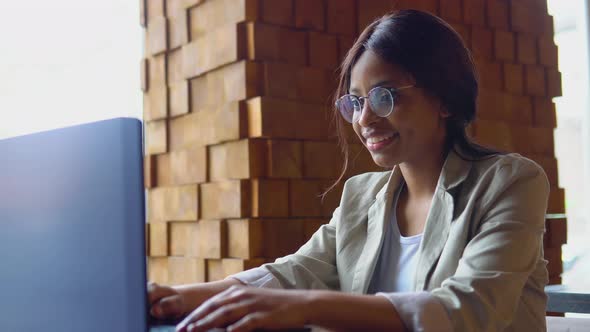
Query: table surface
x,y
568,324
561,298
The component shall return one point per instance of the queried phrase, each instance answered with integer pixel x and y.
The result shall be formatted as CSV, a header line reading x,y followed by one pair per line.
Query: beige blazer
x,y
482,248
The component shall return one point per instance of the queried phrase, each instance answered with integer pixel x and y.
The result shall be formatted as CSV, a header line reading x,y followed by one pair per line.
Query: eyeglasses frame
x,y
362,99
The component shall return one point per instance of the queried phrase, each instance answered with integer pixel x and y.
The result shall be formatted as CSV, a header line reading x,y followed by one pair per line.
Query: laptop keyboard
x,y
169,328
172,328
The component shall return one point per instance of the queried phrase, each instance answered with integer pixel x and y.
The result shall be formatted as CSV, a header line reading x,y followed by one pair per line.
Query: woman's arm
x,y
347,312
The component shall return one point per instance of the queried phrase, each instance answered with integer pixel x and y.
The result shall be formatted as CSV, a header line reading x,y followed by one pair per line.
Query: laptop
x,y
72,244
72,231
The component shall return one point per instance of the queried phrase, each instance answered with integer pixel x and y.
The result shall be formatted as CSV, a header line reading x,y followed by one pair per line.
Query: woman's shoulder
x,y
369,178
508,164
496,174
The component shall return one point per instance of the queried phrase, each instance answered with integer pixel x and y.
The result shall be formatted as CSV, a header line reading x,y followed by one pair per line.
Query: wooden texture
x,y
339,15
285,159
173,203
186,270
156,137
212,238
149,171
304,200
556,232
268,42
218,269
199,58
225,199
245,238
184,239
323,50
269,198
188,166
158,270
157,31
158,239
213,14
243,159
310,14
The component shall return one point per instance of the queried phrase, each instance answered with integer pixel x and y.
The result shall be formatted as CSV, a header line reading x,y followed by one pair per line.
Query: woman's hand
x,y
165,302
241,308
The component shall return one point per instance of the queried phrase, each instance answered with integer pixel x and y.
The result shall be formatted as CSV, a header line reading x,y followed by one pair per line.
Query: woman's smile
x,y
377,143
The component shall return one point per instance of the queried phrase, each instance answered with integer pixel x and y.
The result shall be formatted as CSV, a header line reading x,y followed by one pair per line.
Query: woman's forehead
x,y
371,70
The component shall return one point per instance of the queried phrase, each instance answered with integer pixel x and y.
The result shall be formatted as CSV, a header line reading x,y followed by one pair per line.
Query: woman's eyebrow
x,y
382,83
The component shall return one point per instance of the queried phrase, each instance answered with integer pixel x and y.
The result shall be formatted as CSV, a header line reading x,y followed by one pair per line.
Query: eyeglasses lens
x,y
381,101
348,106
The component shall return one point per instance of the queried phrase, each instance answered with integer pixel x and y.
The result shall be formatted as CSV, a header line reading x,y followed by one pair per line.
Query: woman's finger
x,y
156,292
167,307
224,316
228,296
250,322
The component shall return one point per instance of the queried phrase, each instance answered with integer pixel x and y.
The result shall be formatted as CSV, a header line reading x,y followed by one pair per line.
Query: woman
x,y
449,240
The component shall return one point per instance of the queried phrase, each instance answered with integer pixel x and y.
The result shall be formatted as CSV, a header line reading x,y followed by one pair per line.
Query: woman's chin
x,y
384,160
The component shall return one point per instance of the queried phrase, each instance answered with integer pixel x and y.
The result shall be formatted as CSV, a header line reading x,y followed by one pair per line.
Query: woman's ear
x,y
444,113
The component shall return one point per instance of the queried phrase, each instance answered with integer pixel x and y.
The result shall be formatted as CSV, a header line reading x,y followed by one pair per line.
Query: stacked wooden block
x,y
237,107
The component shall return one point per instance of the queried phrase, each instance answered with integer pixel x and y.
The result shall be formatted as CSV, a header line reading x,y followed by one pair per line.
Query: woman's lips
x,y
381,144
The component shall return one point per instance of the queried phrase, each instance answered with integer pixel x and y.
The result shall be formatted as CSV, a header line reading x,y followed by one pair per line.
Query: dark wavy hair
x,y
433,53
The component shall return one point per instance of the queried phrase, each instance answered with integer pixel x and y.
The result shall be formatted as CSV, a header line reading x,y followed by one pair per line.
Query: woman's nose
x,y
367,116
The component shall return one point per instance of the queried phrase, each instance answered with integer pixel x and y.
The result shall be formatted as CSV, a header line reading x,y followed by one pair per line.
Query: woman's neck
x,y
421,176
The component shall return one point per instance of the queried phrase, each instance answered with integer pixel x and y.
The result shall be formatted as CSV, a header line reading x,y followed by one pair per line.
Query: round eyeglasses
x,y
381,100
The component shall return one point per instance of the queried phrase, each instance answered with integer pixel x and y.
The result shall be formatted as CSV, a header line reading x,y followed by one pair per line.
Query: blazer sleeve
x,y
507,247
313,266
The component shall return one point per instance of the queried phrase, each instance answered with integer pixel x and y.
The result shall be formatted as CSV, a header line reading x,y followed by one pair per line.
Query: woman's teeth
x,y
377,139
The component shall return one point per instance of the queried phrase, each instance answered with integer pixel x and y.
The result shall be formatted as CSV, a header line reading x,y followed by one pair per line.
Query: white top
x,y
396,266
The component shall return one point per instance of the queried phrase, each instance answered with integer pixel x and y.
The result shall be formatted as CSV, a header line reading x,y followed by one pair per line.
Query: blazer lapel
x,y
439,219
435,236
378,215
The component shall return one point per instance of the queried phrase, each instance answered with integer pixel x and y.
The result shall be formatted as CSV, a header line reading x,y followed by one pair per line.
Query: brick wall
x,y
237,97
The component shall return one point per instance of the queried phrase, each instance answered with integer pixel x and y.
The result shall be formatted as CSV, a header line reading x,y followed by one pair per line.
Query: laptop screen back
x,y
72,229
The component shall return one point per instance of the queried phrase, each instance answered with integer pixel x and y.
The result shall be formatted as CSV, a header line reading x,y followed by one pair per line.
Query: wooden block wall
x,y
237,102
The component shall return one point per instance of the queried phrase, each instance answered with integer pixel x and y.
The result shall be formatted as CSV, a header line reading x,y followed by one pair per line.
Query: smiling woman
x,y
426,246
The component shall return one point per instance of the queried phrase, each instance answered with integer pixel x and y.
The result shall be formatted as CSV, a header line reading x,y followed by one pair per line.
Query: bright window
x,y
65,62
572,143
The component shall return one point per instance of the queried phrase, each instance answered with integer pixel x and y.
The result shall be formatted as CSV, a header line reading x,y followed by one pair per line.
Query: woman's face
x,y
414,128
